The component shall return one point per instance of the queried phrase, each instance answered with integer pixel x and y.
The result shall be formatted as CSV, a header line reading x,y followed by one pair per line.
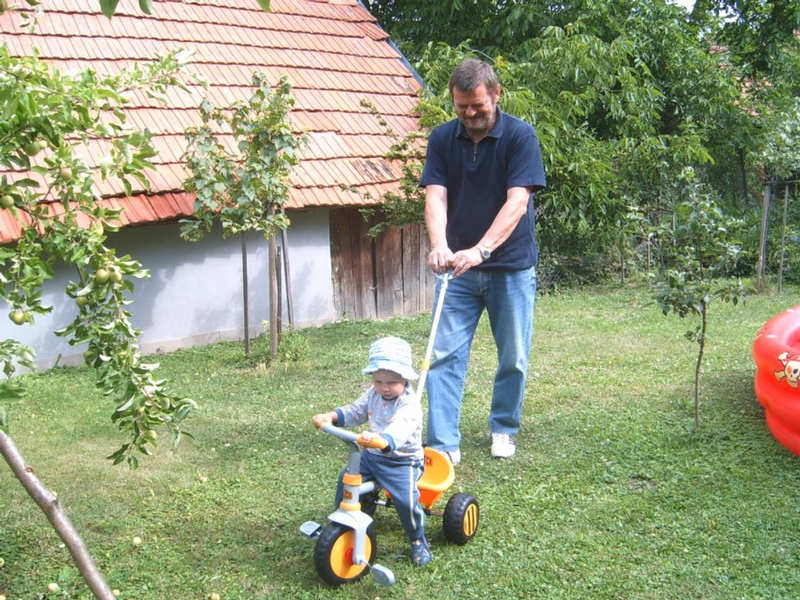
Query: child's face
x,y
388,384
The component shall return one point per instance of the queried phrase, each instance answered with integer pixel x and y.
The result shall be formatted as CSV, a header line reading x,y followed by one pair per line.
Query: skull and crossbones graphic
x,y
791,369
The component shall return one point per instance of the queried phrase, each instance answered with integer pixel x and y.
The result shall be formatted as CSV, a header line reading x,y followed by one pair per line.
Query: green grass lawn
x,y
612,494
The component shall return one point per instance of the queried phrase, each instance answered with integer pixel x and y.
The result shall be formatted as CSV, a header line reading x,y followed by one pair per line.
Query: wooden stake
x,y
245,303
287,279
274,301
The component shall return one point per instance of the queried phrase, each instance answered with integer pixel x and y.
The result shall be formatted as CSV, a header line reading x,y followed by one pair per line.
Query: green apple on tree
x,y
101,275
18,317
33,148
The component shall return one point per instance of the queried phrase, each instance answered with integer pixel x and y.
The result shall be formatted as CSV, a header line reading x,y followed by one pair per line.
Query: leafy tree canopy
x,y
758,33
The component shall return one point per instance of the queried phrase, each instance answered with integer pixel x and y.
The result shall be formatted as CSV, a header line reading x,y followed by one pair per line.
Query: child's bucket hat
x,y
391,354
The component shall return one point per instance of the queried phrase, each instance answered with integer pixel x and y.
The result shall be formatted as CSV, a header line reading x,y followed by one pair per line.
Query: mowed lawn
x,y
612,494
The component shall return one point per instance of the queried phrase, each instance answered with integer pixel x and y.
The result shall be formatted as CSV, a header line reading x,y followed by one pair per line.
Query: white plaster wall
x,y
194,292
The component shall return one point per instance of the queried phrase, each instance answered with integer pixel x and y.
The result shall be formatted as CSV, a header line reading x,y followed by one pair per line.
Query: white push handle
x,y
426,362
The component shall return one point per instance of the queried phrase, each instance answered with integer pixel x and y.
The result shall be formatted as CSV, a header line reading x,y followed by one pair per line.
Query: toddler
x,y
393,413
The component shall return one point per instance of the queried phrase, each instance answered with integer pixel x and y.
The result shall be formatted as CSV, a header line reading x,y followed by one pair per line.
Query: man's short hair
x,y
472,72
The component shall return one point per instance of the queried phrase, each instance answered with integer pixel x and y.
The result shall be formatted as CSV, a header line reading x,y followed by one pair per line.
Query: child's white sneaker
x,y
503,445
454,456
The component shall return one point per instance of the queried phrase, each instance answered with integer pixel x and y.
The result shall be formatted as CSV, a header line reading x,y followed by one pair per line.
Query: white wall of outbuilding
x,y
194,293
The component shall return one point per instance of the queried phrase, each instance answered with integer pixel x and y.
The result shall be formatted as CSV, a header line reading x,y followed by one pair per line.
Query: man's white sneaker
x,y
454,456
503,445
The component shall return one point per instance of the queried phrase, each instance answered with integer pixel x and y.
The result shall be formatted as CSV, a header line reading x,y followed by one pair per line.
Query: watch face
x,y
485,253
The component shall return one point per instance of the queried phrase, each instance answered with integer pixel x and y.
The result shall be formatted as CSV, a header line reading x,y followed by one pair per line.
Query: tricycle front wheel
x,y
333,554
461,517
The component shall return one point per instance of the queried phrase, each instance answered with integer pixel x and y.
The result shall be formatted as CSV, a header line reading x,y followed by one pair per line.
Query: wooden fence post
x,y
762,247
783,236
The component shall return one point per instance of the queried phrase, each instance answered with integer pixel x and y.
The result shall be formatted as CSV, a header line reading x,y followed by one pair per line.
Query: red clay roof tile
x,y
332,51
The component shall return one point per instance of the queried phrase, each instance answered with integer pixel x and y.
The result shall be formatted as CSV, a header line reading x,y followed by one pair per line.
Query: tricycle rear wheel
x,y
461,518
333,554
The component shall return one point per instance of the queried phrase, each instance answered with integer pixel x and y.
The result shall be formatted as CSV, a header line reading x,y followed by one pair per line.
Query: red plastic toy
x,y
776,351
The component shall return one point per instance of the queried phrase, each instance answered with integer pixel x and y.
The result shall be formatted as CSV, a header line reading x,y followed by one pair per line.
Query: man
x,y
480,175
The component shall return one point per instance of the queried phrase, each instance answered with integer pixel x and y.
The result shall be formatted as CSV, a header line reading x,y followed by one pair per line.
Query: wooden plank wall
x,y
378,278
351,266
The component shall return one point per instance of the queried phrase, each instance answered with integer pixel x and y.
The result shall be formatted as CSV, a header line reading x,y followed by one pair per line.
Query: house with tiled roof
x,y
335,57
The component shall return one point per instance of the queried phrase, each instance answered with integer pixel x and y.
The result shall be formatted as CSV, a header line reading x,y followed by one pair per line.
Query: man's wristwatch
x,y
485,252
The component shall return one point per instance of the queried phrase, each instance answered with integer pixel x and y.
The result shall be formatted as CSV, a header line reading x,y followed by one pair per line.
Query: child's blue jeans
x,y
399,478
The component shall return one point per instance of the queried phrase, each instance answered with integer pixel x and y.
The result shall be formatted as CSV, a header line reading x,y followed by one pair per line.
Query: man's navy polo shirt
x,y
477,177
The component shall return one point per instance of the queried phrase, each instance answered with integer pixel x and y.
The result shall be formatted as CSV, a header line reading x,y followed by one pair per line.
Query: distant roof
x,y
332,51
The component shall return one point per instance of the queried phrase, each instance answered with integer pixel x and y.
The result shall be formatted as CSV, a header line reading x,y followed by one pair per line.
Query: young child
x,y
393,412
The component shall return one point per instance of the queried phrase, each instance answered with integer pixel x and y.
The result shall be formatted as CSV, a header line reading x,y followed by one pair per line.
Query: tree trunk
x,y
51,507
743,173
701,341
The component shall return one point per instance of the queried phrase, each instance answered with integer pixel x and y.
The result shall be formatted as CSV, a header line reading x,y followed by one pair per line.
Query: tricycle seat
x,y
436,478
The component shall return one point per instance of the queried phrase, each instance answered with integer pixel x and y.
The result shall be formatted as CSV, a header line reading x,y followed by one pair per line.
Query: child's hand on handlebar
x,y
322,418
368,439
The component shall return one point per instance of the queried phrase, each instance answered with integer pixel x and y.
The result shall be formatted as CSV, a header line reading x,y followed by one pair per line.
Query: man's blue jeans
x,y
508,297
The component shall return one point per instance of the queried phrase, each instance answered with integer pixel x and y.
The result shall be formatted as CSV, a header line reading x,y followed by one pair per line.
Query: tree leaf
x,y
264,4
108,7
146,6
126,405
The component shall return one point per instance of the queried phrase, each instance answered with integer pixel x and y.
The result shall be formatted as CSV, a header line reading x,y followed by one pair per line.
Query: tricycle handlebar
x,y
354,438
343,434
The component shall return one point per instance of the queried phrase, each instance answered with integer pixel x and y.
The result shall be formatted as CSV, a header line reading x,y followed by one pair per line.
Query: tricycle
x,y
346,547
